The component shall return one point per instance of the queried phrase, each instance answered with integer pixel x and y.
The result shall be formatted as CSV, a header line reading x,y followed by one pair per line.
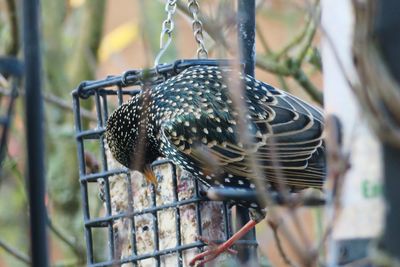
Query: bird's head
x,y
128,137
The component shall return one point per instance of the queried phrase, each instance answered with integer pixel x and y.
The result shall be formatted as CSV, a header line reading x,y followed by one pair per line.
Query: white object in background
x,y
363,208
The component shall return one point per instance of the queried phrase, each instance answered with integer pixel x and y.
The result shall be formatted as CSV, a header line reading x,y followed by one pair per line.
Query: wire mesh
x,y
106,95
10,75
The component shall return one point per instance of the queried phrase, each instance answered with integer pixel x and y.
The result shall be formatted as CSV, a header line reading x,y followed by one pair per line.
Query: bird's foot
x,y
212,252
211,244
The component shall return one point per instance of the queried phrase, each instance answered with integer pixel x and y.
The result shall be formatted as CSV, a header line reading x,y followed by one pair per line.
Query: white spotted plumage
x,y
191,119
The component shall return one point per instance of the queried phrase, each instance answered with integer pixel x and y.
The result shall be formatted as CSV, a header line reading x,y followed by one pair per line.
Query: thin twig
x,y
19,177
78,251
268,51
295,41
67,263
263,40
214,31
268,63
274,228
311,29
299,226
338,161
15,253
72,244
315,59
293,243
13,47
61,103
308,86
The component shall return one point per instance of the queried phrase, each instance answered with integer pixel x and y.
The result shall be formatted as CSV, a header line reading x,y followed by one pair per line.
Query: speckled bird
x,y
191,119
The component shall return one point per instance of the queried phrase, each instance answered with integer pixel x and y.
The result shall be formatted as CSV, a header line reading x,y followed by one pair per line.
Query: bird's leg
x,y
215,252
213,245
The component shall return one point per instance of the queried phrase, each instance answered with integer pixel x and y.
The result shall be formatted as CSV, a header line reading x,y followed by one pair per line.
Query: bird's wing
x,y
294,131
286,133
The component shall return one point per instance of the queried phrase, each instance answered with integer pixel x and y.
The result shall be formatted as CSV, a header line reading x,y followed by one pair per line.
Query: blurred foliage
x,y
117,40
73,48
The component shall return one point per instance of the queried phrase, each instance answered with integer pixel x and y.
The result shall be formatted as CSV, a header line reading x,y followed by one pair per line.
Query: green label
x,y
371,189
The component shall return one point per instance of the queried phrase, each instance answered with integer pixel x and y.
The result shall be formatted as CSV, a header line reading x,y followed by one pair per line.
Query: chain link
x,y
197,27
167,29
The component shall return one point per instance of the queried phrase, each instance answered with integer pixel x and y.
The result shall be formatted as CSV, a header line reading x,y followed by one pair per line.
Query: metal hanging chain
x,y
197,27
167,28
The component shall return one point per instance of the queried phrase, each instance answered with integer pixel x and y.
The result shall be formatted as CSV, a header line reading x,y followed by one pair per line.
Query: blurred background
x,y
90,39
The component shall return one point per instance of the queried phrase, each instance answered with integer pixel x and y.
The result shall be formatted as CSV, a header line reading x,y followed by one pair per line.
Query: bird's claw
x,y
211,253
214,245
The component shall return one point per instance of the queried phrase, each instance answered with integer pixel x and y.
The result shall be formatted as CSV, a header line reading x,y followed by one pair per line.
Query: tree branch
x,y
68,263
285,258
295,41
310,31
308,86
15,253
65,105
268,51
74,246
61,103
13,47
290,67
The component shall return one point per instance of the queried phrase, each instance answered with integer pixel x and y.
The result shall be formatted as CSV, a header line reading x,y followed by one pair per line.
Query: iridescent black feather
x,y
191,120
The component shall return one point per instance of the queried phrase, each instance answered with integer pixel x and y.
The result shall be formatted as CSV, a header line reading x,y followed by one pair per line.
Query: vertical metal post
x,y
34,133
246,34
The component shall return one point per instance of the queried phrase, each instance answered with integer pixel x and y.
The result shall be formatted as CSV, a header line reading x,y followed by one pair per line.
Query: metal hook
x,y
163,49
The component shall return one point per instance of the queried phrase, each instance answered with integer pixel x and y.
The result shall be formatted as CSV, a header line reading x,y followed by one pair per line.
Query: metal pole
x,y
246,35
34,133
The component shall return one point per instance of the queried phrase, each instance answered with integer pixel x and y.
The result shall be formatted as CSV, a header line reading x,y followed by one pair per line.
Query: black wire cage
x,y
145,225
10,75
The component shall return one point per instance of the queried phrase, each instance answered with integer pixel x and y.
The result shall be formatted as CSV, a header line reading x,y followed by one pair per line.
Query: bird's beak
x,y
149,175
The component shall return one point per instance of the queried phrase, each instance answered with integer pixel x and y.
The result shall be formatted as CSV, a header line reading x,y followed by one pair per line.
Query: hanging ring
x,y
124,76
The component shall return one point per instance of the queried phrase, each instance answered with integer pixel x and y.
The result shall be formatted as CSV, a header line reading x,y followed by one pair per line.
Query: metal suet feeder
x,y
142,224
132,204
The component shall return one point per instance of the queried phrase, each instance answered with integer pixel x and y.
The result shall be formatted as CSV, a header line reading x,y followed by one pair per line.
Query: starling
x,y
191,119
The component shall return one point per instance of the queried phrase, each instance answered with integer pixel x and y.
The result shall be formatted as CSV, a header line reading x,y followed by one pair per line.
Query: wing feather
x,y
287,133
